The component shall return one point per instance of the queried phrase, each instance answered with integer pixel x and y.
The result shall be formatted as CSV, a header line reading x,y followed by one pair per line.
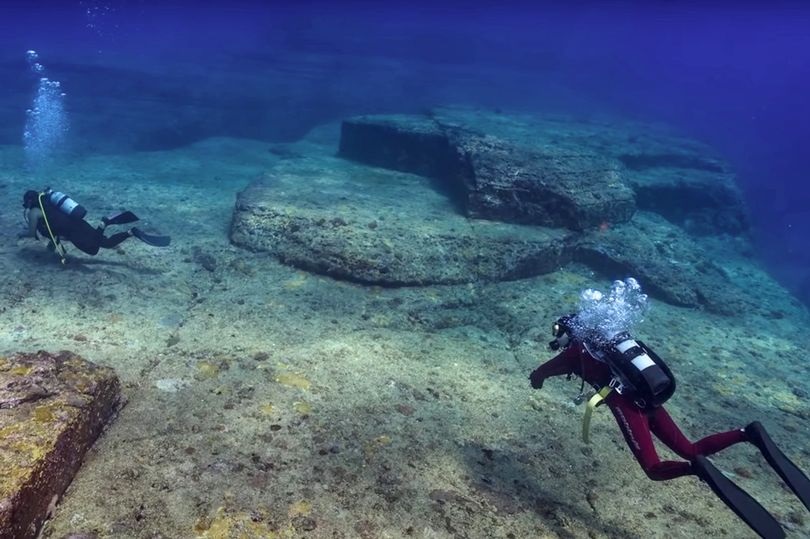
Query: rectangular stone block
x,y
52,408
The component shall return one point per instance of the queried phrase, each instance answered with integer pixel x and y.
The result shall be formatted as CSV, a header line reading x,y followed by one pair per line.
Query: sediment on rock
x,y
383,228
52,408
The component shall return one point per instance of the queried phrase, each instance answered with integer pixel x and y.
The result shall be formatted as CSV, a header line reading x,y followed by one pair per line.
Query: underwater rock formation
x,y
670,264
463,195
554,171
496,178
374,226
52,409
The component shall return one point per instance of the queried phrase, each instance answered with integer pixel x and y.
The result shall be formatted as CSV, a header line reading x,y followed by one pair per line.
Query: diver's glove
x,y
536,378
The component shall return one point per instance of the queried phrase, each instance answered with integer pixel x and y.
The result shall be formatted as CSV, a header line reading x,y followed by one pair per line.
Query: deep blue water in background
x,y
736,77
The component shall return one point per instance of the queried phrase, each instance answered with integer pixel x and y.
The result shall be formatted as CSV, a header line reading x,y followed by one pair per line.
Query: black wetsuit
x,y
78,231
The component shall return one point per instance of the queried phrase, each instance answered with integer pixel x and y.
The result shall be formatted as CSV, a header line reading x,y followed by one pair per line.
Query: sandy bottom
x,y
267,402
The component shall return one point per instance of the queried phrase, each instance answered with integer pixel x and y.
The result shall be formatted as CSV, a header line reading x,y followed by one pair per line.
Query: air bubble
x,y
602,316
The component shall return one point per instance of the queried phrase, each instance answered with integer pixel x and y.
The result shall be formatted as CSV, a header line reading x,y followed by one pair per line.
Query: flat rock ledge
x,y
385,228
52,408
464,196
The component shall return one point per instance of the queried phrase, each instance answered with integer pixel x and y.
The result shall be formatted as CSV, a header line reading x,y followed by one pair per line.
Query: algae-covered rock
x,y
496,177
375,226
665,260
554,171
52,409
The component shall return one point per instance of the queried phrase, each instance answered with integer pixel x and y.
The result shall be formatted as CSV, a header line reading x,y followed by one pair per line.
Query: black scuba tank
x,y
641,371
65,204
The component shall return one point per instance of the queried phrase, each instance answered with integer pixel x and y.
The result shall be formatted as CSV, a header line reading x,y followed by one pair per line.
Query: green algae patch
x,y
20,370
299,508
232,525
207,370
43,414
375,445
52,409
293,380
303,408
266,409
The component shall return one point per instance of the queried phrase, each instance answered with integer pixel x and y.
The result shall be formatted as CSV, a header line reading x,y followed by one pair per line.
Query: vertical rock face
x,y
554,172
414,144
52,409
554,187
494,177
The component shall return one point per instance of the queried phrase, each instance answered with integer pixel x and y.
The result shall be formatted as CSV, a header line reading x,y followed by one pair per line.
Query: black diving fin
x,y
151,239
739,501
789,472
120,218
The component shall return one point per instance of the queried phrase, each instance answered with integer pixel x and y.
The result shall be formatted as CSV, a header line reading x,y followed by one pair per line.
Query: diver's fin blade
x,y
120,218
151,239
739,501
787,470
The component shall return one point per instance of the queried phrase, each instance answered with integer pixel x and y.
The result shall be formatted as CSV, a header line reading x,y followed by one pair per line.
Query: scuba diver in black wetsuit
x,y
56,216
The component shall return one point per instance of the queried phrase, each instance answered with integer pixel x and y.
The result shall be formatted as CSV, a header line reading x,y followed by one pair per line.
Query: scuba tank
x,y
65,204
638,372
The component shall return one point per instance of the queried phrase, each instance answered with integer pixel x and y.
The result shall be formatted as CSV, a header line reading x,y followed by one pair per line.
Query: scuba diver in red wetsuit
x,y
634,383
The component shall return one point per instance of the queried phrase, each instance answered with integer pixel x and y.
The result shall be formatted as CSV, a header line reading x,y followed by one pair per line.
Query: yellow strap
x,y
57,247
595,401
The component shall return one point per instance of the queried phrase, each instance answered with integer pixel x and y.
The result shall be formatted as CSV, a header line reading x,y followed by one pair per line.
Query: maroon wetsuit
x,y
639,425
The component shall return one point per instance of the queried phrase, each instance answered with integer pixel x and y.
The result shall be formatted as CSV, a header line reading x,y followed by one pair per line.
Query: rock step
x,y
52,409
554,172
494,178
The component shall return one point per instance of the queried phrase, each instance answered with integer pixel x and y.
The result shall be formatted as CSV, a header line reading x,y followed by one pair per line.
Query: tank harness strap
x,y
58,247
595,401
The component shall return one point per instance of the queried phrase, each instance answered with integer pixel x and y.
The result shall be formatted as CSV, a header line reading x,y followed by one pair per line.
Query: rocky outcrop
x,y
52,409
463,196
381,227
554,171
495,178
669,264
554,187
702,202
365,225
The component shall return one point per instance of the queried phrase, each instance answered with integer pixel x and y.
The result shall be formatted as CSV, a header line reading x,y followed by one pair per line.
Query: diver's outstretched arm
x,y
566,362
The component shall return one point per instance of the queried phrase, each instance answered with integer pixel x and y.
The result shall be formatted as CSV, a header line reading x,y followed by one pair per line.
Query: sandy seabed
x,y
268,402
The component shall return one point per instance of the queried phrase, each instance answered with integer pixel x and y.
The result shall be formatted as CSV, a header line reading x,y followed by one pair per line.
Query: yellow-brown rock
x,y
52,409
